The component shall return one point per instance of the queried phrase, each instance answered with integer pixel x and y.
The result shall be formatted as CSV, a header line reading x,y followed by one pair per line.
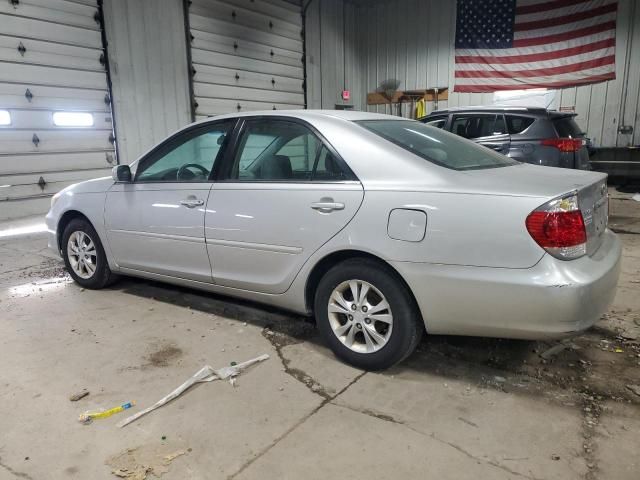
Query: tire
x,y
81,271
397,329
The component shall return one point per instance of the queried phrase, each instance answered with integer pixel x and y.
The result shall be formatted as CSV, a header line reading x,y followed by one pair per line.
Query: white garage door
x,y
55,119
246,55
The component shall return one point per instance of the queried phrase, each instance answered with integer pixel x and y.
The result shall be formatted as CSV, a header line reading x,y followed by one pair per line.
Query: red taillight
x,y
564,144
559,228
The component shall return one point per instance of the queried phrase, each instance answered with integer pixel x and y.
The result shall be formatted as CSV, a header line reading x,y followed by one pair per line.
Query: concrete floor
x,y
459,408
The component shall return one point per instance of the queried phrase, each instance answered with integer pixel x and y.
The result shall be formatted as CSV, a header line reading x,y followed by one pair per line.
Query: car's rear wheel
x,y
366,314
84,255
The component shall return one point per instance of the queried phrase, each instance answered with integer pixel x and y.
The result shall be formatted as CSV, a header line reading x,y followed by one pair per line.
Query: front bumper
x,y
554,298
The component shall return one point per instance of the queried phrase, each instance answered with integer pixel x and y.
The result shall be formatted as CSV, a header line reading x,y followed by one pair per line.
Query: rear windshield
x,y
567,127
436,145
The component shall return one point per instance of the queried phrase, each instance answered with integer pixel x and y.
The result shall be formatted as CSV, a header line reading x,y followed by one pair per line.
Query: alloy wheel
x,y
82,254
360,316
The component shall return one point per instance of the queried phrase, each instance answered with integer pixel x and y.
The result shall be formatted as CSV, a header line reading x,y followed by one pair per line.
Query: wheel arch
x,y
65,219
328,261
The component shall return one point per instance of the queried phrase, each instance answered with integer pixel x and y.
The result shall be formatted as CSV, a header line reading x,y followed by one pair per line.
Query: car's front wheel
x,y
84,255
367,315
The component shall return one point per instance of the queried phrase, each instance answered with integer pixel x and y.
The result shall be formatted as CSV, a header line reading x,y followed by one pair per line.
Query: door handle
x,y
327,206
192,202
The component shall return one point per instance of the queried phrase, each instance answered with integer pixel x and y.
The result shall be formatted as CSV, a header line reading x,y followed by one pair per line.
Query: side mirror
x,y
121,174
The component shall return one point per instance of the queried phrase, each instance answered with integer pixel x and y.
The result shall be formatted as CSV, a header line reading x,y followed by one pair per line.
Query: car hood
x,y
524,180
95,185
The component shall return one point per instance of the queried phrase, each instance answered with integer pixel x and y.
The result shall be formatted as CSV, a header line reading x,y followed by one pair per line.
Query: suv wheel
x,y
366,314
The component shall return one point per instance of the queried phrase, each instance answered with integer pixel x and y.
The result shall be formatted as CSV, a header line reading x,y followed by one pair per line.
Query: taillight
x,y
558,227
564,144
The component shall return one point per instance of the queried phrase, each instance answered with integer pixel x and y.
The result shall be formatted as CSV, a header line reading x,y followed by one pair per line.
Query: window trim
x,y
178,139
224,174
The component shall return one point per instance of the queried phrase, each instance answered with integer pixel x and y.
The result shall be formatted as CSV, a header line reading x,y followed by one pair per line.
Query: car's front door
x,y
284,194
487,129
156,223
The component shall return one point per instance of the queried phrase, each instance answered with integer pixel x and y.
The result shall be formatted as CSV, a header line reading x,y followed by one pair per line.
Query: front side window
x,y
190,159
283,151
438,122
436,145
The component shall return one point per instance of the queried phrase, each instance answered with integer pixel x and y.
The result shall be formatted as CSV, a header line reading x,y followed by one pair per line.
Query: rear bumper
x,y
554,298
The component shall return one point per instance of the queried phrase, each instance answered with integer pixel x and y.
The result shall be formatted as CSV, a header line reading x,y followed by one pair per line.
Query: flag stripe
x,y
561,77
526,42
545,6
587,5
537,57
569,83
550,22
539,72
541,32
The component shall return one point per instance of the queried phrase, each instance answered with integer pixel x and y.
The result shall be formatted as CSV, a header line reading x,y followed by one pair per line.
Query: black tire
x,y
102,276
407,323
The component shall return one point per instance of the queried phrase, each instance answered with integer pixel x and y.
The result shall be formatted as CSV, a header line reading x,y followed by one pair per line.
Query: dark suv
x,y
526,134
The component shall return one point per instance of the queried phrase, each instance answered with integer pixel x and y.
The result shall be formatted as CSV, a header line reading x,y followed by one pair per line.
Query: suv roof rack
x,y
491,108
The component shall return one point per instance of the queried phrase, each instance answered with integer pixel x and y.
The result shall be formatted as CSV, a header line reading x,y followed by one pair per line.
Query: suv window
x,y
477,125
281,150
437,146
438,121
567,127
190,158
517,124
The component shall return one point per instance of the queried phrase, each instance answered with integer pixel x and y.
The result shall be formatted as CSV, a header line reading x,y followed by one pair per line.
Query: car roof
x,y
352,115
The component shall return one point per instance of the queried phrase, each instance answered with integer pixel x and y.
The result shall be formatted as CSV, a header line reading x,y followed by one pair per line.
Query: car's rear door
x,y
156,223
487,129
283,194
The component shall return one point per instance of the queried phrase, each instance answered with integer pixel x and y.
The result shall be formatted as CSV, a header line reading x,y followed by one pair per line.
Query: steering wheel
x,y
184,168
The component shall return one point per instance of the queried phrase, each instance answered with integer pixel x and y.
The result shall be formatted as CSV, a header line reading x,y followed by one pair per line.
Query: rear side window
x,y
517,124
477,126
567,127
436,145
438,122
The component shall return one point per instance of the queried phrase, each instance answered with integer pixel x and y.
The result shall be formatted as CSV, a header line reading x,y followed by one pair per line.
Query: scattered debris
x,y
88,417
138,463
555,456
77,396
635,389
636,197
205,374
499,379
553,351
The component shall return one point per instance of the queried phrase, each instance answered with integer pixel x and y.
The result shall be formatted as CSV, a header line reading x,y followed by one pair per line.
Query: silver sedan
x,y
381,227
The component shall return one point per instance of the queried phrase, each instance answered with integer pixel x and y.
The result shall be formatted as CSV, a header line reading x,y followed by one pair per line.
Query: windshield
x,y
437,146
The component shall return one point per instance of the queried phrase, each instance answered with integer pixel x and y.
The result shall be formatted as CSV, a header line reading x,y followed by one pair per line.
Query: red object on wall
x,y
346,95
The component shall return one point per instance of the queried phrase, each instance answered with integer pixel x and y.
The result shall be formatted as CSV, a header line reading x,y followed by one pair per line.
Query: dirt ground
x,y
459,408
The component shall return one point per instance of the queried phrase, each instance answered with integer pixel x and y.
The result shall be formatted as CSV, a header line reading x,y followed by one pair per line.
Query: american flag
x,y
518,44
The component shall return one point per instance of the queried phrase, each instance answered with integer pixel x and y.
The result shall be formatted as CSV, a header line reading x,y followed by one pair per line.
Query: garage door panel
x,y
15,95
22,192
219,106
32,206
15,72
200,57
228,29
38,52
249,94
69,176
211,42
42,30
43,120
274,8
23,141
71,14
246,18
49,162
240,78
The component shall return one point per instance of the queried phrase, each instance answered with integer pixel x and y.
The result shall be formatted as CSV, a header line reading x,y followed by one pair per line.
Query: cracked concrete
x,y
459,408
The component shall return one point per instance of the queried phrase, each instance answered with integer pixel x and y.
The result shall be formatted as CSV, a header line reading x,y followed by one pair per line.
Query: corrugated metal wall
x,y
356,44
148,64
